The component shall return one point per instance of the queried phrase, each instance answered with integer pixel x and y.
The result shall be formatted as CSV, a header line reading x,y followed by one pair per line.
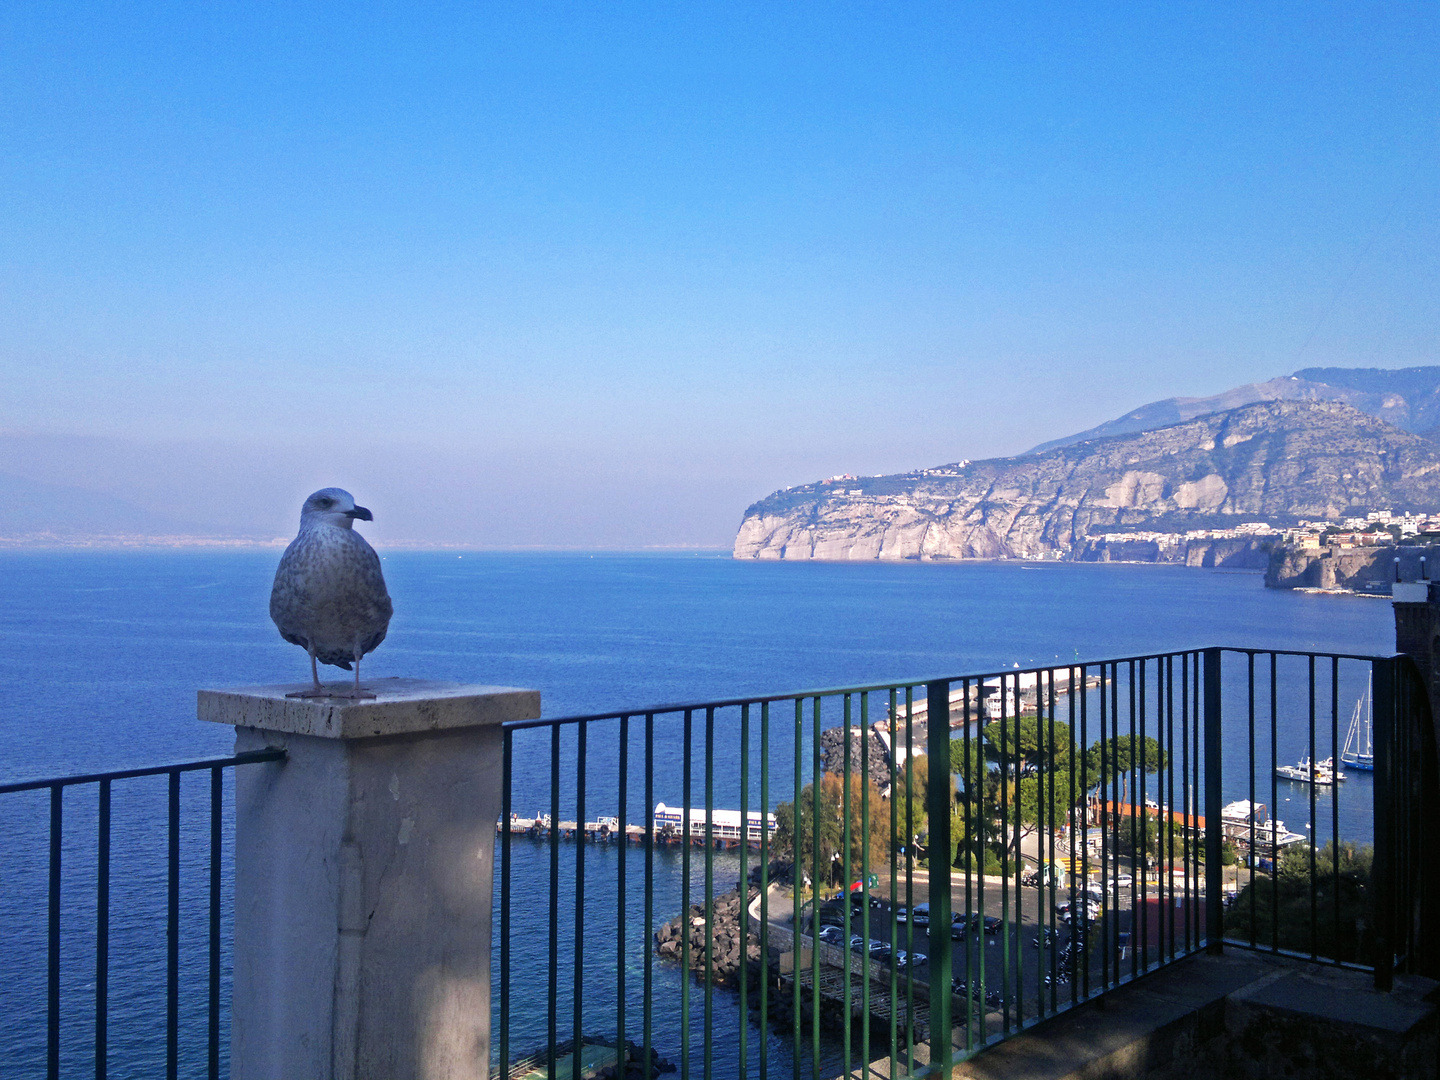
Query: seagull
x,y
329,595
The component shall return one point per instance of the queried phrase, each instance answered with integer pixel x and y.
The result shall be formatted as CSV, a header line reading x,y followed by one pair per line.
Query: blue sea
x,y
102,654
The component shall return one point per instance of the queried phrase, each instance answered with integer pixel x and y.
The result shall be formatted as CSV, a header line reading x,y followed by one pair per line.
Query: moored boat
x,y
1359,752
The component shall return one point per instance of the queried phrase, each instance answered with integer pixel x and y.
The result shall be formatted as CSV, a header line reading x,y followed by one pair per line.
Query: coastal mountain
x,y
1409,398
1278,461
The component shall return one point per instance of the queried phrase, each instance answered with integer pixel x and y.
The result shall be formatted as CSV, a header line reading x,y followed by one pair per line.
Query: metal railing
x,y
100,851
1070,828
1101,820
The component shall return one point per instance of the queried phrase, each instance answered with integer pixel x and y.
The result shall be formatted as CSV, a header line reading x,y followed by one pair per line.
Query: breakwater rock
x,y
862,741
728,959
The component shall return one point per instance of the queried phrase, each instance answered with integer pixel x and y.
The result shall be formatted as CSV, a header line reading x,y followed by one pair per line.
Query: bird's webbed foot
x,y
349,693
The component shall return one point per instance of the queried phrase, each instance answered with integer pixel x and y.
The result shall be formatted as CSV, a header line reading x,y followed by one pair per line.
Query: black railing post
x,y
939,802
1214,871
1383,865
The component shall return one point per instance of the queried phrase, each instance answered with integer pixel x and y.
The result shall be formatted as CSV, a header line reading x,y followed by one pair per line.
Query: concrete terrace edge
x,y
400,707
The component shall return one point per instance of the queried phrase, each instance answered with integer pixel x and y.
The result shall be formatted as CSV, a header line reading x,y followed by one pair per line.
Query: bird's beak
x,y
361,513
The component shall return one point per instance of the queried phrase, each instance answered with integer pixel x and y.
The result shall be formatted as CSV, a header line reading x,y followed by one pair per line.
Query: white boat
x,y
1320,772
1359,752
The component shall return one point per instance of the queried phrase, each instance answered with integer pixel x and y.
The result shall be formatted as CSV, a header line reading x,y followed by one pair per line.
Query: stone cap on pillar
x,y
399,707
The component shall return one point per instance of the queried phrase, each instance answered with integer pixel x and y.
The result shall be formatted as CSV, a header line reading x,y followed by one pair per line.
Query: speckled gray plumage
x,y
329,593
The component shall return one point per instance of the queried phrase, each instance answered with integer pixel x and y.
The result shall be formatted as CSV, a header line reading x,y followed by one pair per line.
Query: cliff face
x,y
1231,554
1362,569
1275,460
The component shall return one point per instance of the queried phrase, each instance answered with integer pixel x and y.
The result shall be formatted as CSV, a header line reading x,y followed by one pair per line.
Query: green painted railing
x,y
1093,816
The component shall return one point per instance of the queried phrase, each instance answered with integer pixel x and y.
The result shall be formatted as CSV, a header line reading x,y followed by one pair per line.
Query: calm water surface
x,y
103,653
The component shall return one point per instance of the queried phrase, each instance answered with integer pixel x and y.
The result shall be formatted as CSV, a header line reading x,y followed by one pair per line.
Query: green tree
x,y
798,832
1036,744
1289,891
1109,759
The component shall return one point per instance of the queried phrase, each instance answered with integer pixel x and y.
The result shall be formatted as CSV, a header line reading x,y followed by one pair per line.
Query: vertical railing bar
x,y
1310,823
1164,916
894,886
815,893
1165,782
172,938
710,889
764,1042
845,882
582,739
552,1018
796,957
1133,782
1187,802
1384,717
506,810
1196,733
102,934
865,880
909,874
648,1016
1142,954
940,801
1056,964
1077,988
52,1018
1114,870
977,809
1214,883
622,818
1250,681
744,888
1274,796
1047,855
1017,954
686,839
967,804
217,792
1006,779
1107,753
1336,762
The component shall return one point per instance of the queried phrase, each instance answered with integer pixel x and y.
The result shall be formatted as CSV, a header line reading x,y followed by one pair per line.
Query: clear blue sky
x,y
604,274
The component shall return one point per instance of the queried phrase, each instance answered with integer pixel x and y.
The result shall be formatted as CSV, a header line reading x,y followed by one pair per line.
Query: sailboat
x,y
1359,752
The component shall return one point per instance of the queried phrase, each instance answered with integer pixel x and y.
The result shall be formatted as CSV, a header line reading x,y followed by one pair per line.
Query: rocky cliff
x,y
1279,461
1359,569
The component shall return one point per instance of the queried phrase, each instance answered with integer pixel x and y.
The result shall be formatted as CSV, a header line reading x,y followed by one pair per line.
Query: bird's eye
x,y
327,502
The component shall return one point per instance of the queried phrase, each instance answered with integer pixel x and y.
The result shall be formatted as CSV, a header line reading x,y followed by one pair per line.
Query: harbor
x,y
722,828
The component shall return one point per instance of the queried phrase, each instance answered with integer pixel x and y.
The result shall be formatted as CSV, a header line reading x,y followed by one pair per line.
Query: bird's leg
x,y
357,693
317,690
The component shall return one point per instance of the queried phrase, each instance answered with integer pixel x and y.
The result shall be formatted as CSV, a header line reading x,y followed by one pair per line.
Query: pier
x,y
724,828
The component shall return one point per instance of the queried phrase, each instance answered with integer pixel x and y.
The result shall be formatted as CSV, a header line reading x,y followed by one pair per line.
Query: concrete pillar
x,y
363,872
1417,630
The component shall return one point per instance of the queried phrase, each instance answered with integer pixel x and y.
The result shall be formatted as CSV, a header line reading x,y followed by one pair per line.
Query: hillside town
x,y
1378,528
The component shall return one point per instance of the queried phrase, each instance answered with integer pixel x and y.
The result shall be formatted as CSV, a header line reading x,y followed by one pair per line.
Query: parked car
x,y
918,959
1124,880
992,925
857,943
901,958
878,947
920,916
832,935
902,915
